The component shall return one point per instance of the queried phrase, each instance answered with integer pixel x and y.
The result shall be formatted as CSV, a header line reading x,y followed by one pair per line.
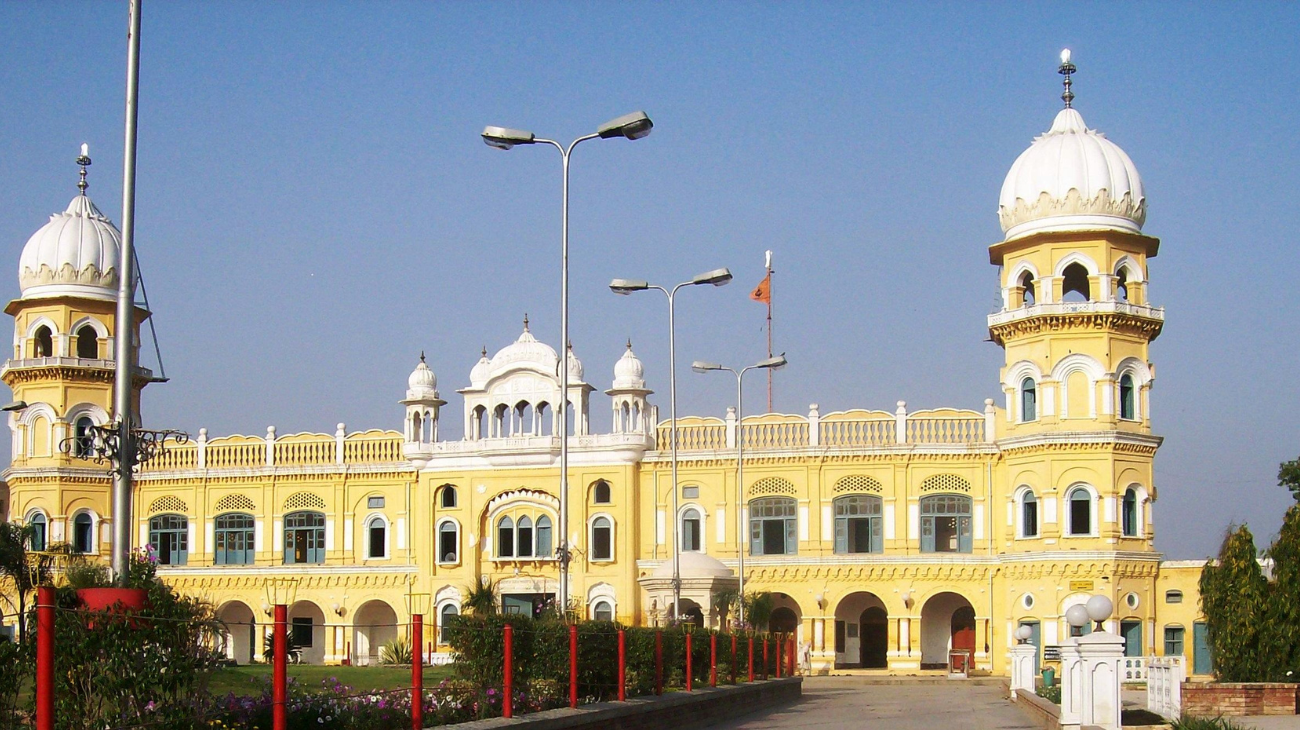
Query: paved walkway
x,y
851,702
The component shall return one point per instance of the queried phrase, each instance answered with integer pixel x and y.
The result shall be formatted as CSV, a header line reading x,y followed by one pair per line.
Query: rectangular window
x,y
1080,516
1030,519
691,534
1173,641
302,631
377,546
446,545
601,549
691,492
375,503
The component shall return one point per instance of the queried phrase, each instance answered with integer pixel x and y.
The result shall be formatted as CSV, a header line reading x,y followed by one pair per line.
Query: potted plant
x,y
96,591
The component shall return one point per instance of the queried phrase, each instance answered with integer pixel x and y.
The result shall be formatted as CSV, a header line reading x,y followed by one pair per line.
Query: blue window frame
x,y
772,525
1028,400
946,524
169,536
304,538
234,539
857,525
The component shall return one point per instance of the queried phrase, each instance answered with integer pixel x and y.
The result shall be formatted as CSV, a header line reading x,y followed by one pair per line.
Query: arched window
x,y
1028,514
1126,397
83,533
1121,286
448,496
376,537
691,529
602,539
506,538
524,537
1130,513
37,542
1027,283
87,343
857,524
445,615
543,536
417,427
602,611
478,423
44,342
1075,286
84,443
234,539
601,492
1080,501
1028,400
448,542
304,538
772,527
169,536
946,524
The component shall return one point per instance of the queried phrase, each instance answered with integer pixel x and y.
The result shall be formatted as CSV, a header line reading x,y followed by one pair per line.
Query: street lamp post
x,y
629,126
717,277
772,363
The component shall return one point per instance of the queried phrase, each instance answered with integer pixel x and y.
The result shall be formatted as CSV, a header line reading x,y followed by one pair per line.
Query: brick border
x,y
1238,698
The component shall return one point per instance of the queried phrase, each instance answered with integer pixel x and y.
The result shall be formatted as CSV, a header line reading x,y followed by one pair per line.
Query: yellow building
x,y
890,538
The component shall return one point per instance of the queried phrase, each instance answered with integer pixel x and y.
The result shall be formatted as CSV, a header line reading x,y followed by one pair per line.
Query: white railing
x,y
1034,310
1134,668
1165,675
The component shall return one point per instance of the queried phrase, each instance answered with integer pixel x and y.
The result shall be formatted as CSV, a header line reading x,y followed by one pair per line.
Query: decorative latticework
x,y
945,483
303,500
167,504
771,485
857,483
235,503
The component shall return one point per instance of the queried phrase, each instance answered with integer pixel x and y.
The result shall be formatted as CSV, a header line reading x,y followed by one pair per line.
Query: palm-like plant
x,y
758,609
724,602
481,599
24,568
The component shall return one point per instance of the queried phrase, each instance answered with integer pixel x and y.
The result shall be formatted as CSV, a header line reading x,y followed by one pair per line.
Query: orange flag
x,y
763,292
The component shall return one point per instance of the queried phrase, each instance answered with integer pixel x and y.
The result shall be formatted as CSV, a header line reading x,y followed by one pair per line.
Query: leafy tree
x,y
724,602
25,569
1233,597
1280,632
758,609
1288,475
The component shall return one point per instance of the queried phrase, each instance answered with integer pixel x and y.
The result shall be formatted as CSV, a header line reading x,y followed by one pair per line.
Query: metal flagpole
x,y
123,342
768,266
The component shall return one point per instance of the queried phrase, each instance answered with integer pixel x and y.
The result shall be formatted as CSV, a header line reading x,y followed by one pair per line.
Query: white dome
x,y
527,349
575,365
1071,178
482,370
422,378
693,565
76,253
629,373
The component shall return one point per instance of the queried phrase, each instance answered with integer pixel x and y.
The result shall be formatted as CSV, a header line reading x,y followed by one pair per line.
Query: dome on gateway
x,y
1071,178
527,349
76,254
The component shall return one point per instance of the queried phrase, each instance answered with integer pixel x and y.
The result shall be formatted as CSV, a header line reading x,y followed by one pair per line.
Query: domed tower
x,y
1076,326
632,411
62,367
422,404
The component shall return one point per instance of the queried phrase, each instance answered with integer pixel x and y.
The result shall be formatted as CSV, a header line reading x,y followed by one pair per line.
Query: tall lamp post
x,y
717,277
772,363
629,126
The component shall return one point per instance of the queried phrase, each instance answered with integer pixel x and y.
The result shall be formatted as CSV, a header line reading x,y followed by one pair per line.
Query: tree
x,y
1233,597
25,569
1288,475
481,598
724,602
758,609
1280,632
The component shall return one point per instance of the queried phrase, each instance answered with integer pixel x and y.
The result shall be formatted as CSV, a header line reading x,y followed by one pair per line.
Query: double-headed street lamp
x,y
717,277
629,126
772,363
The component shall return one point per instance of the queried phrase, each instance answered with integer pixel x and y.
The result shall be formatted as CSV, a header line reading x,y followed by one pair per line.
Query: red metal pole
x,y
659,662
44,658
279,667
713,660
689,676
508,699
429,656
622,666
751,657
778,647
793,663
733,658
347,654
765,660
573,665
417,672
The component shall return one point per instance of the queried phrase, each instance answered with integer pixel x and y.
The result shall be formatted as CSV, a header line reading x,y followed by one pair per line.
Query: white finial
x,y
1065,55
85,150
767,264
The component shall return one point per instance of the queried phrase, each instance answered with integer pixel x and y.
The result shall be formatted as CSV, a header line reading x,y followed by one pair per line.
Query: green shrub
x,y
1206,723
396,651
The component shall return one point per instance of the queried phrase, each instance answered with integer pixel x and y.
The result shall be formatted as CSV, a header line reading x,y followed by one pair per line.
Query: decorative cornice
x,y
1116,322
1115,441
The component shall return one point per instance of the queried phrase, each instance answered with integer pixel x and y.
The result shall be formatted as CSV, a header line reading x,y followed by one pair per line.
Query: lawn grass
x,y
254,678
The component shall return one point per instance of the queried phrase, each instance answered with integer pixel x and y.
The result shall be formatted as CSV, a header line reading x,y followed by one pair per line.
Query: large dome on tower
x,y
76,253
1071,179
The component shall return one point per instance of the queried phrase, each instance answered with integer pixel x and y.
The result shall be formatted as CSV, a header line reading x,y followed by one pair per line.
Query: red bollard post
x,y
793,660
279,667
765,659
508,696
659,662
689,677
777,648
44,658
622,666
573,665
429,659
733,658
751,658
417,672
713,660
347,654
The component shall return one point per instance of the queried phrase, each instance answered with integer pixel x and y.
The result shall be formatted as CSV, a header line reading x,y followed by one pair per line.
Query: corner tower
x,y
62,369
1076,325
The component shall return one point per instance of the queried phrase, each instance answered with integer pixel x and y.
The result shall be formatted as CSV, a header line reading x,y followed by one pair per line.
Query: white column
x,y
1022,667
1101,654
814,425
900,422
1071,684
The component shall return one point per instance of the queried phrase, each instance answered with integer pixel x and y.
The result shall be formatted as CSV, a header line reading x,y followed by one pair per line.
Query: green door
x,y
1202,661
1132,633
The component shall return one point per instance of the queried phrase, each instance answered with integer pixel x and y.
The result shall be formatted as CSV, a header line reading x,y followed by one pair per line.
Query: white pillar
x,y
1101,654
1071,684
1022,666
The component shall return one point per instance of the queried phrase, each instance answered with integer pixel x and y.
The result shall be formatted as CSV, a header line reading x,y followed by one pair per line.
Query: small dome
x,y
694,565
76,253
422,378
629,373
575,365
527,349
481,371
1072,178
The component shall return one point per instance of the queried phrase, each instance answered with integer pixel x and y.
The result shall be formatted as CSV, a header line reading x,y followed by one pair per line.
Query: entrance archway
x,y
375,623
861,631
947,623
307,631
240,637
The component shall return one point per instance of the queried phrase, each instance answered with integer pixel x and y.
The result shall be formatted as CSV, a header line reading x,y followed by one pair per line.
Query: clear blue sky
x,y
315,206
